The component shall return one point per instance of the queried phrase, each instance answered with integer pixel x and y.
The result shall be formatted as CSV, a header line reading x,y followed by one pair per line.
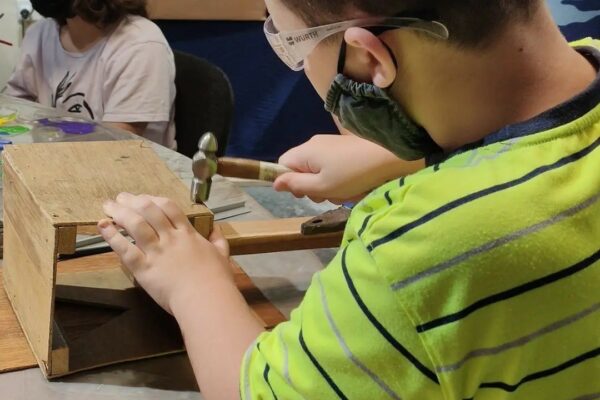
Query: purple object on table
x,y
70,126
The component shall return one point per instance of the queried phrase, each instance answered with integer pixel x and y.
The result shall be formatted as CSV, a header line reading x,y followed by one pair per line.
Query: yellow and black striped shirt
x,y
477,278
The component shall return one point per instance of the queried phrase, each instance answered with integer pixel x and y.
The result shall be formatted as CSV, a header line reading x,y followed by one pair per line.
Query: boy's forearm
x,y
388,166
398,167
218,327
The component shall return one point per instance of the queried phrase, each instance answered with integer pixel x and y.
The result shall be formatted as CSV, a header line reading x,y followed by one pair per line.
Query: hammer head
x,y
204,166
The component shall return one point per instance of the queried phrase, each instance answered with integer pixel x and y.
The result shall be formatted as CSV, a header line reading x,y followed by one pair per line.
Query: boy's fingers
x,y
135,225
131,256
148,209
219,241
294,159
299,184
178,219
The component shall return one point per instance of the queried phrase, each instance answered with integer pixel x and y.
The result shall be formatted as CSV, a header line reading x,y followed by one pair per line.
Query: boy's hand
x,y
340,168
169,258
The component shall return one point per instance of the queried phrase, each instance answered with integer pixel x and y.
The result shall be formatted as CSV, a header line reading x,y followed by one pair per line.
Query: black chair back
x,y
204,103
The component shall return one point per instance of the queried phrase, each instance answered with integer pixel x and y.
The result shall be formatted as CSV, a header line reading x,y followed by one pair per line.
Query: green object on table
x,y
13,130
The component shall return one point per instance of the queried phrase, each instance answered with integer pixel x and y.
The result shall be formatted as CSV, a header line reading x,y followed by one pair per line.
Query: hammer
x,y
206,165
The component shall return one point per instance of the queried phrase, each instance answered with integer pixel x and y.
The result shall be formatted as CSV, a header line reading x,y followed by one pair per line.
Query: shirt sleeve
x,y
22,83
140,84
348,339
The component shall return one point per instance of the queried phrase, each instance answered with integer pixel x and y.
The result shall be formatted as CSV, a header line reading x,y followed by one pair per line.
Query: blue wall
x,y
276,108
577,18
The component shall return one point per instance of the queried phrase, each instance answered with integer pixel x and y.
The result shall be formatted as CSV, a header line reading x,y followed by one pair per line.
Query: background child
x,y
476,277
101,60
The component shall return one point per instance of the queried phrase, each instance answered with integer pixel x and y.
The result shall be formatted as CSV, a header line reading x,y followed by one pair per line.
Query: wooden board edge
x,y
277,235
43,366
8,169
203,224
95,367
59,352
66,239
31,362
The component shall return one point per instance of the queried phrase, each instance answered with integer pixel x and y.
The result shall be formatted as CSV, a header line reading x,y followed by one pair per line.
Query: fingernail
x,y
104,224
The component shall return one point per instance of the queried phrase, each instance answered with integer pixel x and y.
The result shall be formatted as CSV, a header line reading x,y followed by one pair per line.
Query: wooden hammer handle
x,y
250,169
271,236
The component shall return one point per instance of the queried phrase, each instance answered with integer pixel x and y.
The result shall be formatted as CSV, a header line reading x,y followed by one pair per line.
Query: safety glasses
x,y
293,47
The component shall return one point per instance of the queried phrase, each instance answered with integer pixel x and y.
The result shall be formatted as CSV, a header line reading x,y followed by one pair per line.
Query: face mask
x,y
57,9
369,112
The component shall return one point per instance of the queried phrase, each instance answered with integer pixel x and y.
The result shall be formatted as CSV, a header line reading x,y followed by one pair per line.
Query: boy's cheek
x,y
321,68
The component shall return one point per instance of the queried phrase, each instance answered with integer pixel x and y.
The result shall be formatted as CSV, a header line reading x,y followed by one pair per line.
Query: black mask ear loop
x,y
344,49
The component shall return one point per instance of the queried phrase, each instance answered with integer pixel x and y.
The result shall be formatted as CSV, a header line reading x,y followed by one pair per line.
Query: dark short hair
x,y
107,12
470,22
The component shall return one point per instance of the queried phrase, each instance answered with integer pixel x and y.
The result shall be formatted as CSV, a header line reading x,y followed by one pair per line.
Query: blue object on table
x,y
4,142
276,108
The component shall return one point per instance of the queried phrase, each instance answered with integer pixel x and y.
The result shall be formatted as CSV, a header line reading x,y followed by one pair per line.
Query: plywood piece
x,y
257,237
60,351
67,236
15,353
203,224
113,278
19,205
29,263
71,195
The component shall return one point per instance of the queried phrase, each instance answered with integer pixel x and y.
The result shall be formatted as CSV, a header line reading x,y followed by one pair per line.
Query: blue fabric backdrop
x,y
276,108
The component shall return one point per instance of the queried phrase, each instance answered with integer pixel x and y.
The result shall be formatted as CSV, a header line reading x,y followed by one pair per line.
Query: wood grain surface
x,y
68,194
14,350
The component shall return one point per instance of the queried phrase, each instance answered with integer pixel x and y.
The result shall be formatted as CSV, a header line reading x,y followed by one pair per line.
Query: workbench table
x,y
282,277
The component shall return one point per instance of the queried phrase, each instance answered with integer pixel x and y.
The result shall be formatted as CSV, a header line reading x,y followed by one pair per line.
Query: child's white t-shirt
x,y
129,76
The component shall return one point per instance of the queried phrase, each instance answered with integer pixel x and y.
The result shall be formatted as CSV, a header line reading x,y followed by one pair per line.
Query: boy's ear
x,y
368,58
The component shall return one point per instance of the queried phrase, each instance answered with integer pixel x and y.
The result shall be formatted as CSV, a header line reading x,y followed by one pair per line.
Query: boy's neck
x,y
78,35
460,96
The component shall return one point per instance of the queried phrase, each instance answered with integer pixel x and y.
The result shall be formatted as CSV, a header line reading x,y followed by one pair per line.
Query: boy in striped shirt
x,y
476,277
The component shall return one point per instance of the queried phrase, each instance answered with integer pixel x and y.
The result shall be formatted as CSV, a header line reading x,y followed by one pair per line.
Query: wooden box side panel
x,y
29,264
71,181
29,289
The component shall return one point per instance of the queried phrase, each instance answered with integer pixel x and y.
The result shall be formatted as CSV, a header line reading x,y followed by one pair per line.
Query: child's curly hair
x,y
104,13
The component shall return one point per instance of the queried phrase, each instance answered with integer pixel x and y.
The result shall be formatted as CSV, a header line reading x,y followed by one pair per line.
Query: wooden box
x,y
52,192
225,10
82,313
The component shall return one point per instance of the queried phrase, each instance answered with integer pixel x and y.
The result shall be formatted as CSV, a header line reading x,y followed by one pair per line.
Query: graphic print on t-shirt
x,y
74,103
